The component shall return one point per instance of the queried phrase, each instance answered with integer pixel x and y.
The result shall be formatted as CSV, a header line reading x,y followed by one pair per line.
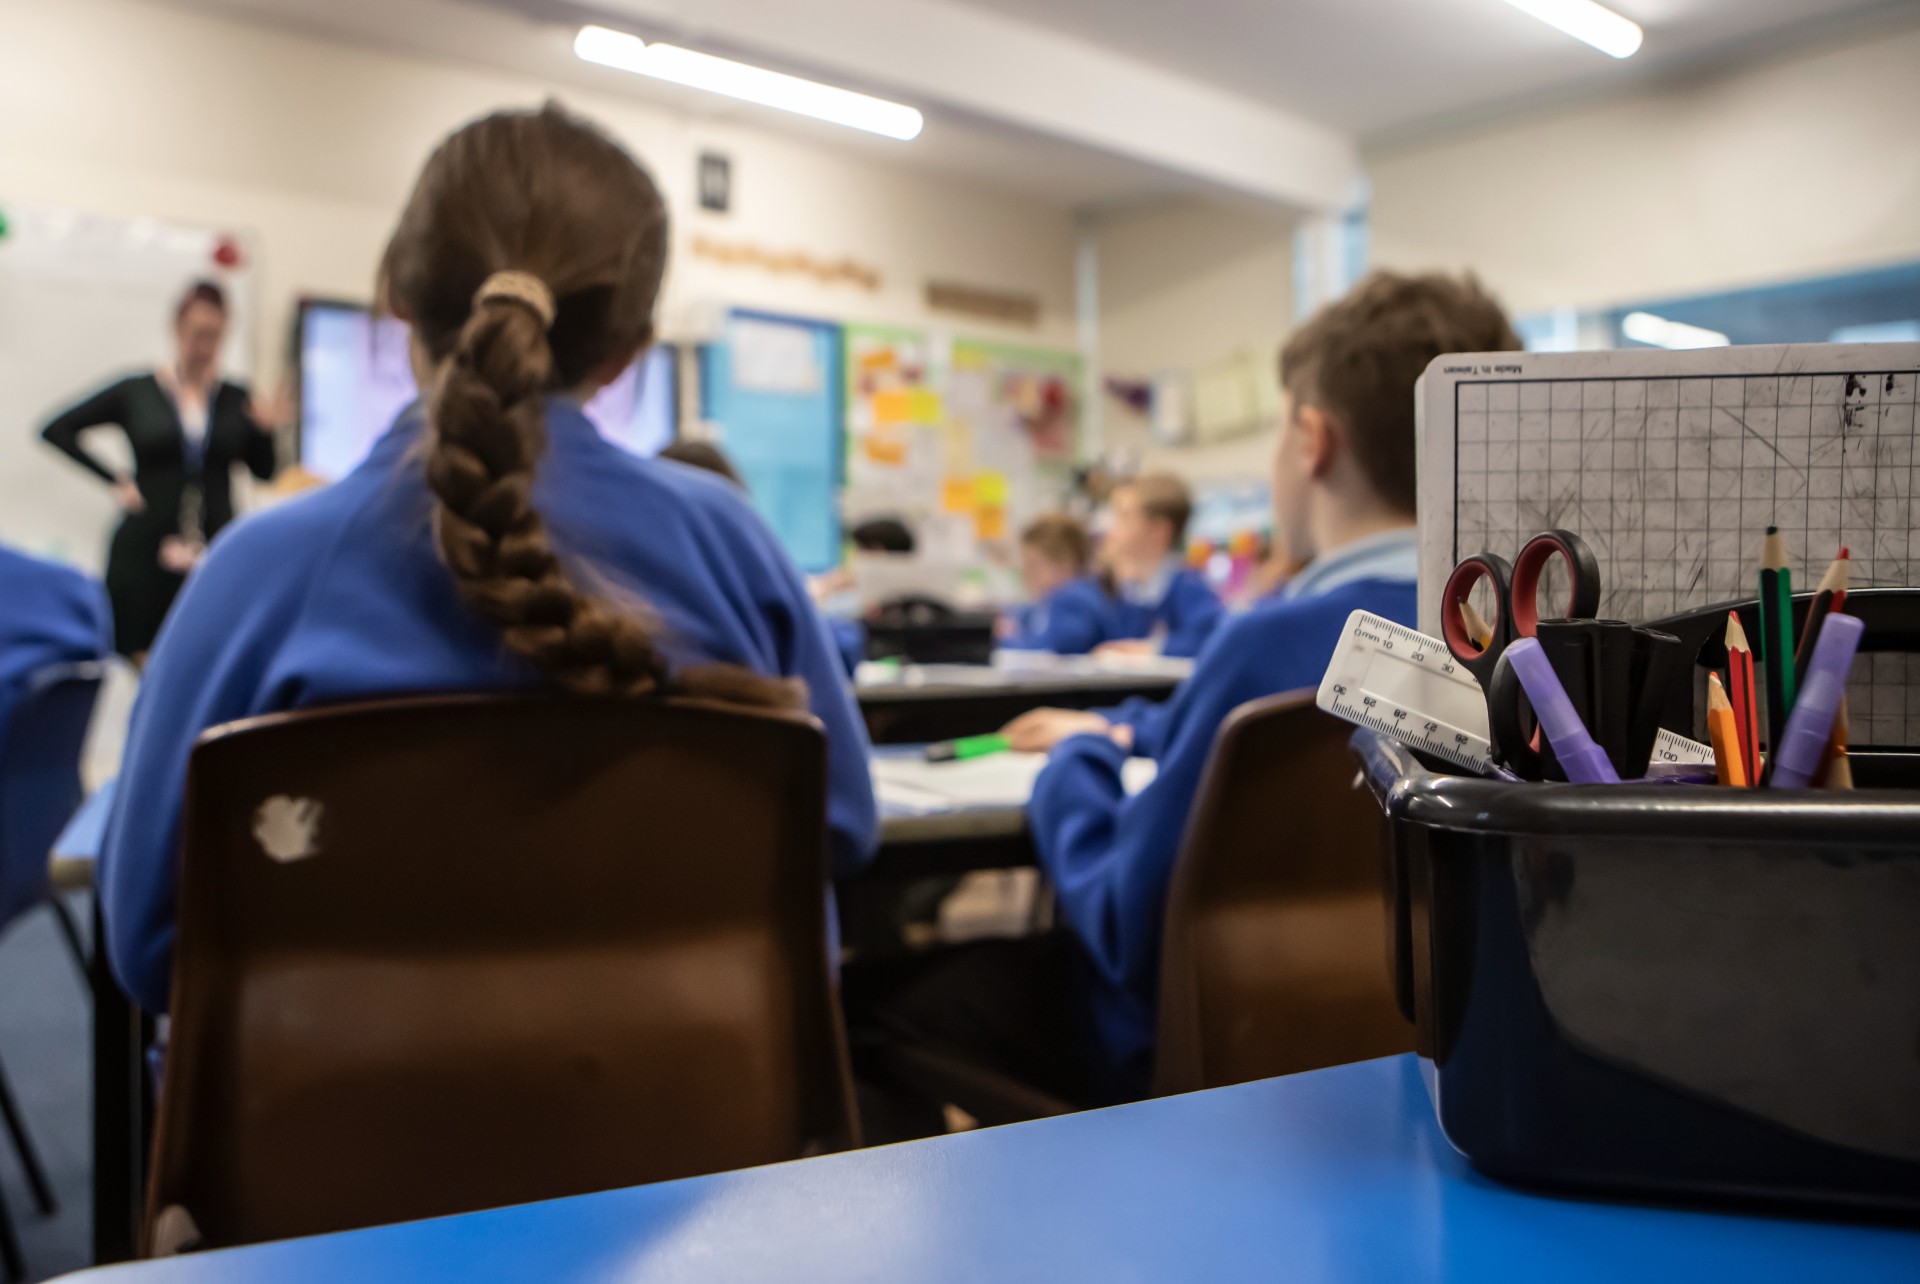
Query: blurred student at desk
x,y
1145,599
1344,492
1066,609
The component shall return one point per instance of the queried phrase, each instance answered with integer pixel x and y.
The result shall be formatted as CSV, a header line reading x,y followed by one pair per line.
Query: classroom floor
x,y
44,1044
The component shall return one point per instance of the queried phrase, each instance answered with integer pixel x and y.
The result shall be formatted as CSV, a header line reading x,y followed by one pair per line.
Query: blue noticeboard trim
x,y
787,446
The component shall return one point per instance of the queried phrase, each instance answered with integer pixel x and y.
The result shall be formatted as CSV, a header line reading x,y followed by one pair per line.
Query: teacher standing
x,y
187,428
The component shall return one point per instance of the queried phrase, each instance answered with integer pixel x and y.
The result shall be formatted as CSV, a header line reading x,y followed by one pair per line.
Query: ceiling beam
x,y
935,53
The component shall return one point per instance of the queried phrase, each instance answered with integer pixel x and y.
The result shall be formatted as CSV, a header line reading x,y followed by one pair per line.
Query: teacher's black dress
x,y
182,487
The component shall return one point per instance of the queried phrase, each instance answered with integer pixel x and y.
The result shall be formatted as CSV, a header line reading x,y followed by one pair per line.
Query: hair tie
x,y
521,287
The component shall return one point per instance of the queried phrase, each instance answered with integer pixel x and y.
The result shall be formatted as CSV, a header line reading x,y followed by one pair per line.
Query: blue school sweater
x,y
1110,857
1080,615
341,594
1071,620
49,614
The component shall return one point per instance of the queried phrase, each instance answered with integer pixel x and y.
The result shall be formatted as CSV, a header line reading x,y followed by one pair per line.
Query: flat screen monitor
x,y
355,379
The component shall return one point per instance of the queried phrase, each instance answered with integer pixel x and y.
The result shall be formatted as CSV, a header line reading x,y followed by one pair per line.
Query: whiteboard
x,y
86,299
1670,465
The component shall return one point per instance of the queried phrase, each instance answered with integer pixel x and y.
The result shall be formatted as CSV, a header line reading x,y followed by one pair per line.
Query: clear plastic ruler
x,y
1406,686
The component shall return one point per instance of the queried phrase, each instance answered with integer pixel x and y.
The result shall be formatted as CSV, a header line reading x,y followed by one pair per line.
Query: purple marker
x,y
1585,762
1804,742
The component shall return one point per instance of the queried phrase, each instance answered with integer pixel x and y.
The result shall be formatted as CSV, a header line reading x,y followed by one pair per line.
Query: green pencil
x,y
1776,635
966,747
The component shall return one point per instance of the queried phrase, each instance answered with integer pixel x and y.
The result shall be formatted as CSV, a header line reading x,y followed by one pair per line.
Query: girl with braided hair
x,y
492,538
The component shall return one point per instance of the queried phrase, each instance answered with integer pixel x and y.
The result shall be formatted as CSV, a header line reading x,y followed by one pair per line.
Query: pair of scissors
x,y
1478,644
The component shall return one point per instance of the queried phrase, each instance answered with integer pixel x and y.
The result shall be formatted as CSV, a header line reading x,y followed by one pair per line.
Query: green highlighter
x,y
966,747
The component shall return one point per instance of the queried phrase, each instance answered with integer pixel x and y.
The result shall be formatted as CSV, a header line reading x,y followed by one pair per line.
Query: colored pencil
x,y
1746,703
1477,626
1776,635
1728,760
1829,597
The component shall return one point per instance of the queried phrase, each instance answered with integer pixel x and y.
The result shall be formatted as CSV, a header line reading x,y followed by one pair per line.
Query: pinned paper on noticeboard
x,y
885,446
990,523
890,407
924,406
990,490
958,495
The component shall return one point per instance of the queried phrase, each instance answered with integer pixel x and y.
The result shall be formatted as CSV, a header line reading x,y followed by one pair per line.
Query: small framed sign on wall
x,y
716,182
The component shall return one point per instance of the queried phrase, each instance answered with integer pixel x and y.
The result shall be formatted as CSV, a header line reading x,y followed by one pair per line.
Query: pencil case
x,y
1669,992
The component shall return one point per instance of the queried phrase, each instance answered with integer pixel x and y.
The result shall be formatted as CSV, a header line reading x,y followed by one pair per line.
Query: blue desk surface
x,y
1339,1175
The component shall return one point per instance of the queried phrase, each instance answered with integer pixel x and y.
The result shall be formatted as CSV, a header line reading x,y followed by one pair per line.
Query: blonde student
x,y
492,538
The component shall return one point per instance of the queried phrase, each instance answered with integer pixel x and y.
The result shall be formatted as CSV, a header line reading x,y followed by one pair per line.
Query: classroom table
x,y
916,703
1329,1177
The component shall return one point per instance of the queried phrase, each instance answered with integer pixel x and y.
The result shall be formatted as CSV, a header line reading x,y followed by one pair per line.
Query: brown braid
x,y
538,195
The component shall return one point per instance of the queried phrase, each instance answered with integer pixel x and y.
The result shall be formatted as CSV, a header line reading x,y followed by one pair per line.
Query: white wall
x,y
129,107
1186,284
1800,164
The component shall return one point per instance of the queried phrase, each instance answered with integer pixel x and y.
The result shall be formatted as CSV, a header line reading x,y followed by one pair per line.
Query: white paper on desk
x,y
996,780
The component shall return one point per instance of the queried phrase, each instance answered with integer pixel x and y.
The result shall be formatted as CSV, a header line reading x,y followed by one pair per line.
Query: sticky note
x,y
990,523
923,406
990,490
892,406
957,496
885,447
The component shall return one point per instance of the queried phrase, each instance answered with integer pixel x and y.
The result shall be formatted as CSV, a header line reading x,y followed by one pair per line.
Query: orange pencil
x,y
1746,706
1727,757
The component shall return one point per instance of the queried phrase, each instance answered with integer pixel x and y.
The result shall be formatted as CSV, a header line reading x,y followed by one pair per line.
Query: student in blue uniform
x,y
492,538
1155,602
1344,487
49,614
1065,612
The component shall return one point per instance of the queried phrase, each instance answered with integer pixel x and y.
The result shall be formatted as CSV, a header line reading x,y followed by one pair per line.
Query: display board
x,y
771,387
965,439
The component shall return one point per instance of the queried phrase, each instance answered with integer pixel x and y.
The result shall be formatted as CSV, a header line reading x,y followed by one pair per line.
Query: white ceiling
x,y
1098,103
1366,66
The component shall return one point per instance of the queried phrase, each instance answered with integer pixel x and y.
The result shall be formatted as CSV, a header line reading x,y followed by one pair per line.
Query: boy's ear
x,y
1320,441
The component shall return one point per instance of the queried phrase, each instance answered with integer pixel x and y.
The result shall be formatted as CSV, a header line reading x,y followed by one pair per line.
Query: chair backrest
x,y
1275,957
455,952
40,774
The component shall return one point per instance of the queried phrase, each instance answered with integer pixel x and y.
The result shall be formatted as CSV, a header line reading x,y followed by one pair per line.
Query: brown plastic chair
x,y
1276,958
456,952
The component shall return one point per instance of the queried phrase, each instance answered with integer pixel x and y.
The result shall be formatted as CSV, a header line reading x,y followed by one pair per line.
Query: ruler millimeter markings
x,y
1408,687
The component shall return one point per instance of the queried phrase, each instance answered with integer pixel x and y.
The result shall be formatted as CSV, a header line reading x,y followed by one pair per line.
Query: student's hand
x,y
128,496
1039,730
1128,647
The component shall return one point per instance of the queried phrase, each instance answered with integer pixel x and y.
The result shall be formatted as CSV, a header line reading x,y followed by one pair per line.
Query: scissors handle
x,y
1583,580
1474,656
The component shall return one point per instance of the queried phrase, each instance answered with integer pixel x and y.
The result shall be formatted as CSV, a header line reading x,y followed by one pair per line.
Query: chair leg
x,y
71,931
29,1157
13,1264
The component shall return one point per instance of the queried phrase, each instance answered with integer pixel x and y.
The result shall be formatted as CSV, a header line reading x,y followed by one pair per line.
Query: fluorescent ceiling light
x,y
1644,327
617,49
1584,20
